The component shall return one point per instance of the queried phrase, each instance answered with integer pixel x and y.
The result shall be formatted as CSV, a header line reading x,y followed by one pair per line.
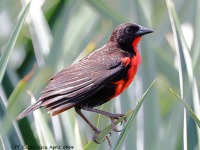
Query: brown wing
x,y
76,83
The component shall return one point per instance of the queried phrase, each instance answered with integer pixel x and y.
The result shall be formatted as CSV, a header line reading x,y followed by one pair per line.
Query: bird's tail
x,y
30,109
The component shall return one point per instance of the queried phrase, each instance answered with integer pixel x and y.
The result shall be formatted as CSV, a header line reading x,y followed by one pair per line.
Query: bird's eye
x,y
129,29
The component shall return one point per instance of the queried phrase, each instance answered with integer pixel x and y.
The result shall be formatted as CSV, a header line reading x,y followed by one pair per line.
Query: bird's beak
x,y
142,31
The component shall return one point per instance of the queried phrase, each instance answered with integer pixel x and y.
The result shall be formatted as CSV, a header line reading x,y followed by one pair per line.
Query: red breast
x,y
133,64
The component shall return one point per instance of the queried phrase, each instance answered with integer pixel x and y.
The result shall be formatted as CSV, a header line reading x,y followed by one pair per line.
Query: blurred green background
x,y
57,33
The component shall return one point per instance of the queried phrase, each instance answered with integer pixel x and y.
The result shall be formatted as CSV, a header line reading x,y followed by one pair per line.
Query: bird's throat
x,y
135,42
137,59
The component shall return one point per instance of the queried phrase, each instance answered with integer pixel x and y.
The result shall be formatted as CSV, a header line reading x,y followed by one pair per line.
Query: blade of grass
x,y
170,4
187,60
196,43
39,31
125,132
107,11
57,47
184,62
187,107
4,139
17,91
186,52
9,130
196,105
11,42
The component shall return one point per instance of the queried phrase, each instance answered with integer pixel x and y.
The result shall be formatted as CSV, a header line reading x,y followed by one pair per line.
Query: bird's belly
x,y
123,83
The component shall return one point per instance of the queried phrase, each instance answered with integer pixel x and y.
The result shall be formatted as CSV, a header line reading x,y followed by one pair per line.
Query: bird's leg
x,y
108,114
96,131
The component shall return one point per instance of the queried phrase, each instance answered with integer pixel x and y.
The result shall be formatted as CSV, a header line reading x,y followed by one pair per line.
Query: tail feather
x,y
29,110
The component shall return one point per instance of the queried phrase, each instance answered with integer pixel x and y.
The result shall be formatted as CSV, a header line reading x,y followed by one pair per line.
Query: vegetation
x,y
48,36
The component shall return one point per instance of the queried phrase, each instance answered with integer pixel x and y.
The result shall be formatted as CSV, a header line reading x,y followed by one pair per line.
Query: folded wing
x,y
78,82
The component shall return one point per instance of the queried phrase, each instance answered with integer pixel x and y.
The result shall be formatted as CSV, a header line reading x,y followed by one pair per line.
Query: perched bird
x,y
95,79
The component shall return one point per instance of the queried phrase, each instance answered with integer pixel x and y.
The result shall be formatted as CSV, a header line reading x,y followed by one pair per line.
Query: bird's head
x,y
128,35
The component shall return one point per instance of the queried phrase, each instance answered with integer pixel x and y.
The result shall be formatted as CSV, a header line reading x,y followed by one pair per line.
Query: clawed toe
x,y
114,128
94,138
116,116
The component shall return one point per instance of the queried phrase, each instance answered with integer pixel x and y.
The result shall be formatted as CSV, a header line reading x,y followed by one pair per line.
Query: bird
x,y
95,79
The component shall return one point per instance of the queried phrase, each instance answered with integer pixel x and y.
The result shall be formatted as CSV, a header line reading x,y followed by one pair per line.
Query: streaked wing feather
x,y
67,97
74,84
